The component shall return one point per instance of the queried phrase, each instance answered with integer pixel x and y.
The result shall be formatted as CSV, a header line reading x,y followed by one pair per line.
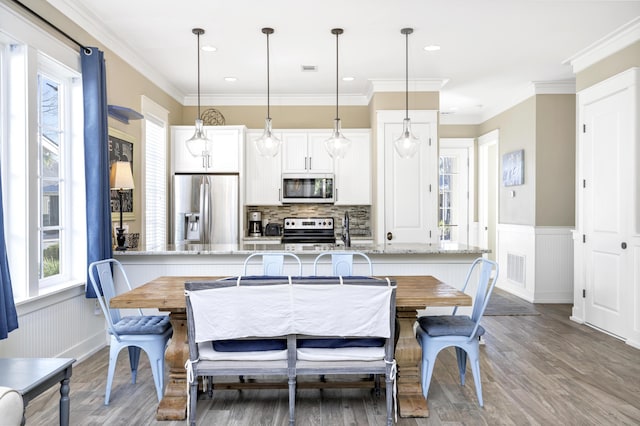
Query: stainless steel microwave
x,y
308,188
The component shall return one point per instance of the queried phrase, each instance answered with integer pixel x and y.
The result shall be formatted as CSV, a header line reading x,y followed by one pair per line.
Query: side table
x,y
32,376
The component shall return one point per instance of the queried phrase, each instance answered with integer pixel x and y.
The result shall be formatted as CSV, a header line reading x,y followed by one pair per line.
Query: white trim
x,y
489,137
617,40
415,85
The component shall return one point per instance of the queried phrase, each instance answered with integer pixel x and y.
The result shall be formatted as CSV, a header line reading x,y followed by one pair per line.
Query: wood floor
x,y
538,370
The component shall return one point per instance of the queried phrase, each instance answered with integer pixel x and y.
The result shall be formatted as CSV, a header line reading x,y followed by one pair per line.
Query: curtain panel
x,y
8,314
96,158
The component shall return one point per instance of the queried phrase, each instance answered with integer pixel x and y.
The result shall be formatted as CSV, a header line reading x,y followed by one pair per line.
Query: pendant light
x,y
268,144
337,145
198,145
407,144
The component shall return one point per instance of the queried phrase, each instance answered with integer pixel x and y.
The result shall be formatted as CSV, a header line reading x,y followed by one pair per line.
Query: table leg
x,y
64,398
174,402
408,353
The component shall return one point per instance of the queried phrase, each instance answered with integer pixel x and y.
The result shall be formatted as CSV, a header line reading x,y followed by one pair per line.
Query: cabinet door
x,y
182,160
319,159
262,174
353,172
294,152
225,149
224,156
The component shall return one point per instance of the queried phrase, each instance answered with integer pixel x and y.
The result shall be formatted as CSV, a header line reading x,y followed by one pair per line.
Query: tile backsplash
x,y
359,216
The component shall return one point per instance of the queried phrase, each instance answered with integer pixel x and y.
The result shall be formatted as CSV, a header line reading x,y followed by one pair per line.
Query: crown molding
x,y
294,100
606,46
416,85
79,14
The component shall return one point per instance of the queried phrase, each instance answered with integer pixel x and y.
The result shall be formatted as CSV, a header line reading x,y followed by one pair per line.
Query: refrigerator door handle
x,y
205,211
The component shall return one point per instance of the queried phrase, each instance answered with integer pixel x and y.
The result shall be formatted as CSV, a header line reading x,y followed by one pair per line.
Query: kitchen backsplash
x,y
359,216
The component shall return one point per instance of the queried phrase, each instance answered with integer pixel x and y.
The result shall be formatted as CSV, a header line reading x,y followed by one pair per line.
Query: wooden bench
x,y
291,326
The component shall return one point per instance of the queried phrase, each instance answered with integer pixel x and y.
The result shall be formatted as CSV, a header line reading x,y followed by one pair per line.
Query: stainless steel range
x,y
311,233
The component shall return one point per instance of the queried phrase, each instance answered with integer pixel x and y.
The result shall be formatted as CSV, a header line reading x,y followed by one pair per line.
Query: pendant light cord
x,y
198,32
337,76
268,79
406,75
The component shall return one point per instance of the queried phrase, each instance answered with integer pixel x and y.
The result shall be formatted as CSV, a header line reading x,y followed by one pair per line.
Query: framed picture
x,y
121,149
513,168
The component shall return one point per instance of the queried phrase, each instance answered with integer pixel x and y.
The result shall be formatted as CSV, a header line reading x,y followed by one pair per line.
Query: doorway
x,y
455,192
488,172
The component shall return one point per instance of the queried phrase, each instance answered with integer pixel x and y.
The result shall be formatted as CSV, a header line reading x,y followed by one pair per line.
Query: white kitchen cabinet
x,y
223,158
262,174
353,172
303,151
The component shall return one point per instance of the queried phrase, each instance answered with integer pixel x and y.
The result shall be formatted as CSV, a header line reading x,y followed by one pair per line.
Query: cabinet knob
x,y
389,236
623,245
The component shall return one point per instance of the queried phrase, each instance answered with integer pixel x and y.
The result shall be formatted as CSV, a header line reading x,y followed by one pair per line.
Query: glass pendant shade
x,y
268,145
337,145
407,144
198,144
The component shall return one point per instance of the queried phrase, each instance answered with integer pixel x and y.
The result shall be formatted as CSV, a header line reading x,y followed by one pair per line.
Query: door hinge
x,y
584,128
429,234
584,293
429,187
429,141
584,183
584,238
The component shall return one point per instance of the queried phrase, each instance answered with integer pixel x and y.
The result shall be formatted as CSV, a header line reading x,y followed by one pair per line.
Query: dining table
x,y
166,293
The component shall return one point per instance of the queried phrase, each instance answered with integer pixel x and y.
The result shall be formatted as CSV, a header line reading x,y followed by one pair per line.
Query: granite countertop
x,y
246,248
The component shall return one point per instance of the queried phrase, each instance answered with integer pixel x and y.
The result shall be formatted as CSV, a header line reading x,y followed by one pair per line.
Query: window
x,y
454,193
42,160
155,174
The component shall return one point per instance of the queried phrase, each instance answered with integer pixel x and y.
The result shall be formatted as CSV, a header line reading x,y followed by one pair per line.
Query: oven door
x,y
308,188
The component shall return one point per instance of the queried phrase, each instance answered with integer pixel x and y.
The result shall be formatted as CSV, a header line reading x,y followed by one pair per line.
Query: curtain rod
x,y
52,26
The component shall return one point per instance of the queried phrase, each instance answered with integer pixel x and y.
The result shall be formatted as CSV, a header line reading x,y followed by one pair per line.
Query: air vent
x,y
516,269
309,68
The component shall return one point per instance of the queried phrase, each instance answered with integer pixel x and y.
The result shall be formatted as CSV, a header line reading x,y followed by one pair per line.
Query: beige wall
x,y
517,131
555,160
610,66
458,131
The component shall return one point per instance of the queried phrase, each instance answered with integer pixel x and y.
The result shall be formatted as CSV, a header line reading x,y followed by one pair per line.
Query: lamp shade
x,y
121,175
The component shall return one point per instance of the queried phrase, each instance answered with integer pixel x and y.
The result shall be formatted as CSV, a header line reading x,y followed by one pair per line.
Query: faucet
x,y
346,238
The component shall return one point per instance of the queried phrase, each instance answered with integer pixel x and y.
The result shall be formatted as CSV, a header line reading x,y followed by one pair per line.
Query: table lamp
x,y
121,179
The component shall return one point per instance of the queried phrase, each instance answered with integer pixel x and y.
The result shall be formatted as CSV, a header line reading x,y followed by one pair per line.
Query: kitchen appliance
x,y
255,224
273,230
308,188
205,209
315,233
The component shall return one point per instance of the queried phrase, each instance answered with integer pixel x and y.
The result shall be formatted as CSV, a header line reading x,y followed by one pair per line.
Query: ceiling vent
x,y
309,68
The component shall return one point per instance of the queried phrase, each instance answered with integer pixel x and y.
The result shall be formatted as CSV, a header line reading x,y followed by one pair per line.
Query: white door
x,y
606,147
488,172
410,184
454,190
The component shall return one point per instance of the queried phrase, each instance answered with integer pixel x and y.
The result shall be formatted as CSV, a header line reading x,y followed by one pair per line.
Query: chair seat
x,y
146,324
448,325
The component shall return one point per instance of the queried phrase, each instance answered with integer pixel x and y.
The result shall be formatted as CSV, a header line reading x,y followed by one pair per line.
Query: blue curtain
x,y
96,158
8,314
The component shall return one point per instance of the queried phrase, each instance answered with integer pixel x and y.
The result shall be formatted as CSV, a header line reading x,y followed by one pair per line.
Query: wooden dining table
x,y
414,292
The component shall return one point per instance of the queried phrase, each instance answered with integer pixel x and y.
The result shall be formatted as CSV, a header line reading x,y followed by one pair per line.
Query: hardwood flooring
x,y
536,370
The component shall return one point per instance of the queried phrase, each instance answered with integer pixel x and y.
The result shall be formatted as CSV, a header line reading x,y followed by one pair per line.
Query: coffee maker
x,y
255,224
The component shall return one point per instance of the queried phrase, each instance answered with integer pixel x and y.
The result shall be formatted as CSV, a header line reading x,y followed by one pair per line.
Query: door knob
x,y
389,236
623,245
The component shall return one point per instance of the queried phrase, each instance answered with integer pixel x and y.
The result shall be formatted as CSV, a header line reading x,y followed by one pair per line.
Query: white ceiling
x,y
491,50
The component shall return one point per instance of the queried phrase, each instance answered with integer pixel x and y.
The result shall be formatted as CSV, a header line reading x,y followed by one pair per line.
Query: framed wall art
x,y
513,168
121,149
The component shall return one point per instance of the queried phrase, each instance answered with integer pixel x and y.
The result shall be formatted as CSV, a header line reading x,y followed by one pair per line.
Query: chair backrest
x,y
101,275
487,276
272,263
342,262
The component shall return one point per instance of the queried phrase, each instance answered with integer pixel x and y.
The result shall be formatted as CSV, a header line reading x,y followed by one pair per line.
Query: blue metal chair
x,y
341,262
147,332
272,263
435,333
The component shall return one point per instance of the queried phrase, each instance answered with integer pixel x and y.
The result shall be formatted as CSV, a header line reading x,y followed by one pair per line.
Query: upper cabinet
x,y
304,152
224,156
353,172
262,174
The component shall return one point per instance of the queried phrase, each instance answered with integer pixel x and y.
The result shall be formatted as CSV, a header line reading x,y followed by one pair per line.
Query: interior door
x,y
488,168
410,191
454,191
606,145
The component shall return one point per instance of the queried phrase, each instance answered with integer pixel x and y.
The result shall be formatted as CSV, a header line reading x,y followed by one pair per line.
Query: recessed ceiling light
x,y
209,48
348,78
230,79
432,48
309,68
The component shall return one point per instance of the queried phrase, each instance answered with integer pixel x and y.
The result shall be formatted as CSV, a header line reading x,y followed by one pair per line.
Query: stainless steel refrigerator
x,y
205,209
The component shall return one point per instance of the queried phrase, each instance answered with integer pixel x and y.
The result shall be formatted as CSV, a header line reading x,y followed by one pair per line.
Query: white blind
x,y
155,184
